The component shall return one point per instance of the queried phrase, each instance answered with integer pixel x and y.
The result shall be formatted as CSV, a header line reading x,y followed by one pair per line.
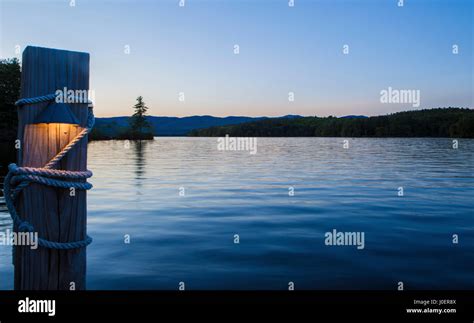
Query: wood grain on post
x,y
54,213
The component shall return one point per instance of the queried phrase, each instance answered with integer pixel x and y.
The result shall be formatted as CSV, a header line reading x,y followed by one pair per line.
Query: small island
x,y
138,128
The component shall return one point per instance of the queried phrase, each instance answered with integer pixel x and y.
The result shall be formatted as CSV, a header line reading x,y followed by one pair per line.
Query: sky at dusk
x,y
282,49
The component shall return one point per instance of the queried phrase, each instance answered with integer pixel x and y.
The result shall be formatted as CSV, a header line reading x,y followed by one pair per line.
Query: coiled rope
x,y
19,178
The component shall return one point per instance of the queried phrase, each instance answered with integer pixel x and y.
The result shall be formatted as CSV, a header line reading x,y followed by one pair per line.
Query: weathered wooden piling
x,y
55,213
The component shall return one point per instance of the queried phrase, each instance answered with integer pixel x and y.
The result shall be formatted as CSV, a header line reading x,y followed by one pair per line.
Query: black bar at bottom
x,y
449,306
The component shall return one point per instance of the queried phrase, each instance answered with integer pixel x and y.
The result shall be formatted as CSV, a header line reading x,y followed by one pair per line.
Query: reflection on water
x,y
190,238
139,150
6,269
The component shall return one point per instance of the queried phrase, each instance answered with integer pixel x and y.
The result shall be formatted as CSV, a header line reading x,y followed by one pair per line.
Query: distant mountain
x,y
441,122
107,128
354,117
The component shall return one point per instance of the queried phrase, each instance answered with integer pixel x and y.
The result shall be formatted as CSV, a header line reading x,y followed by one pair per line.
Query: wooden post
x,y
54,213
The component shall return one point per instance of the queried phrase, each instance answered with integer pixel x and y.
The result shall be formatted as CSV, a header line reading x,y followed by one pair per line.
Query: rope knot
x,y
13,168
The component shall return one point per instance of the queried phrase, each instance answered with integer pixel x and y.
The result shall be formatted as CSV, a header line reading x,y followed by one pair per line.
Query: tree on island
x,y
140,128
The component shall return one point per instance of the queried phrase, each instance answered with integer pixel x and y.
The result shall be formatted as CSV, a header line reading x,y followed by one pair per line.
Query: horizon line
x,y
286,115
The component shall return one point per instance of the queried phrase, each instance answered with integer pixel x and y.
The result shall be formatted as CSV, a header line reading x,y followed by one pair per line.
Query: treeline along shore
x,y
440,122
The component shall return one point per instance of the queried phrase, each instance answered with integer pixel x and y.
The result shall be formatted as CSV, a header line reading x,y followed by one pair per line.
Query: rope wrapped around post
x,y
19,178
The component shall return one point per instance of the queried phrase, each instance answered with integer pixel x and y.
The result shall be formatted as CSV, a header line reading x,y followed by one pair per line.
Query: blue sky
x,y
283,49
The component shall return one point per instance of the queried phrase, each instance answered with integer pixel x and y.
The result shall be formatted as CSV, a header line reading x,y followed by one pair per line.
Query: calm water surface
x,y
191,238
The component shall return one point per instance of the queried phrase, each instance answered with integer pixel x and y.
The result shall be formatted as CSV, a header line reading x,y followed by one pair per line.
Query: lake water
x,y
190,238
